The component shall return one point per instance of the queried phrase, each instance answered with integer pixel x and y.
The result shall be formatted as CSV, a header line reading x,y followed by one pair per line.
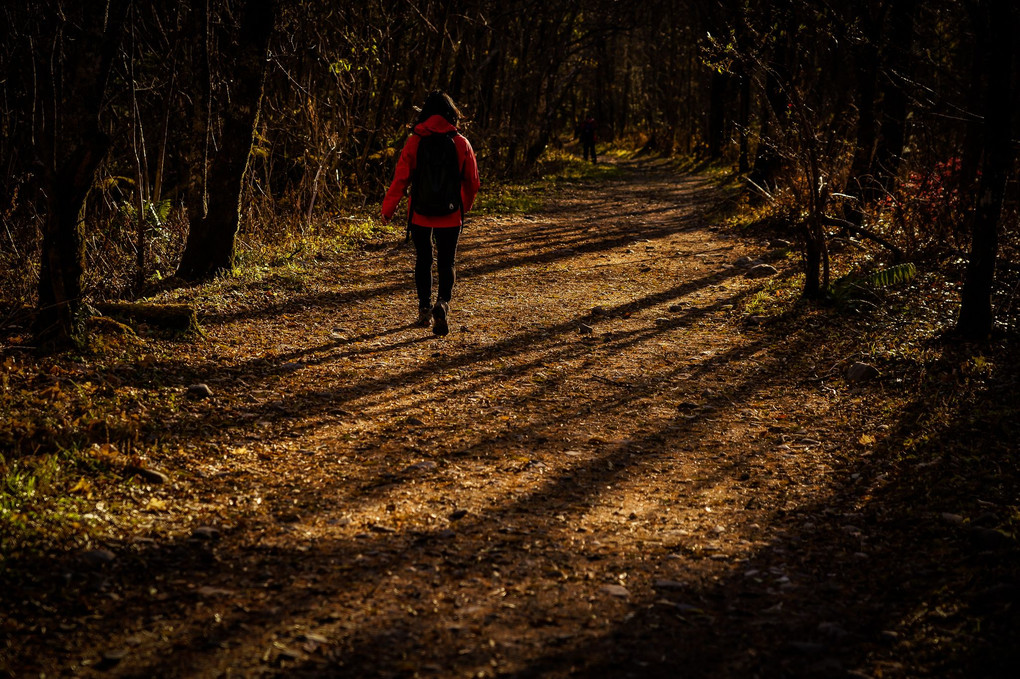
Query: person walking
x,y
439,166
586,132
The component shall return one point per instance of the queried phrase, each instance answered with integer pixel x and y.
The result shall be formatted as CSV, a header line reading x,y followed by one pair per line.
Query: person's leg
x,y
422,238
446,255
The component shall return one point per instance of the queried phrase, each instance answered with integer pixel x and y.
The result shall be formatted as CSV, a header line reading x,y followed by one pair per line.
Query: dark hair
x,y
439,103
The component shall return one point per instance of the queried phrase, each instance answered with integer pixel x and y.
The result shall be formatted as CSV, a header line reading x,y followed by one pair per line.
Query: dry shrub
x,y
926,214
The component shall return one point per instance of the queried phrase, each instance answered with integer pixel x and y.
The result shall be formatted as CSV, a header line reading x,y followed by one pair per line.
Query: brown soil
x,y
602,471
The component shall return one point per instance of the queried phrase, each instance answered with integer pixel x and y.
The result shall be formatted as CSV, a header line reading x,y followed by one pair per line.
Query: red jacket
x,y
408,160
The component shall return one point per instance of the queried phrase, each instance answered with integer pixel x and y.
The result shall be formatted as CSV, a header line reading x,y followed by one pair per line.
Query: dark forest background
x,y
147,142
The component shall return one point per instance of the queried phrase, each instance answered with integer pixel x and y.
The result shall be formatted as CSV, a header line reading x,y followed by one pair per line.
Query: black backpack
x,y
435,185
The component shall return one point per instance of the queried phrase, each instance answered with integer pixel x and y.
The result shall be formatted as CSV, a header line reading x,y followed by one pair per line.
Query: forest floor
x,y
629,458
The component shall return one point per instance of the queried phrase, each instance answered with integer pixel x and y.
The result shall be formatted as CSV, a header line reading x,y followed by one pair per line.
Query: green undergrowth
x,y
891,315
267,270
777,296
71,421
559,166
40,505
331,238
509,198
719,171
555,167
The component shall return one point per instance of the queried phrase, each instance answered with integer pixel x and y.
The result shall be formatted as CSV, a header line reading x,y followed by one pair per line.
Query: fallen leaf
x,y
156,505
83,486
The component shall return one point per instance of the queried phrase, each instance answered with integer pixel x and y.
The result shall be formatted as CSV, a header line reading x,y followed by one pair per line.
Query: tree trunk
x,y
859,180
716,114
58,322
767,161
67,180
743,161
976,317
974,137
210,245
814,247
894,95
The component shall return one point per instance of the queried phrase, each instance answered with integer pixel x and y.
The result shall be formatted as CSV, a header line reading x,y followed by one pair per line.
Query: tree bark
x,y
974,137
976,315
743,121
767,161
814,249
58,323
893,134
212,233
716,114
859,180
68,180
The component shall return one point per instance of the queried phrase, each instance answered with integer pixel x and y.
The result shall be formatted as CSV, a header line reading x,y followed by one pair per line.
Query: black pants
x,y
446,254
589,147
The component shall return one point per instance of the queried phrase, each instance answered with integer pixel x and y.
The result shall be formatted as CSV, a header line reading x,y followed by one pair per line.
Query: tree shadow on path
x,y
653,500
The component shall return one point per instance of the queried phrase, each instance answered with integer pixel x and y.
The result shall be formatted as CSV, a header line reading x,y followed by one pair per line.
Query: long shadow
x,y
827,588
728,627
580,244
527,254
258,370
549,498
535,431
845,609
813,635
183,560
881,586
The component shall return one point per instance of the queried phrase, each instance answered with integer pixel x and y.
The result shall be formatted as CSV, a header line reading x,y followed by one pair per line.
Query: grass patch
x,y
557,166
617,152
509,199
777,297
284,266
335,236
39,506
756,217
554,167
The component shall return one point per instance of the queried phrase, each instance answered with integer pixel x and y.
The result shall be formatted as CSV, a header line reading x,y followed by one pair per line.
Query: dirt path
x,y
600,472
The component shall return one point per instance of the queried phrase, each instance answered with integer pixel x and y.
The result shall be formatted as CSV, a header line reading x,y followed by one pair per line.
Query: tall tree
x,y
864,41
778,24
71,143
976,316
214,204
893,129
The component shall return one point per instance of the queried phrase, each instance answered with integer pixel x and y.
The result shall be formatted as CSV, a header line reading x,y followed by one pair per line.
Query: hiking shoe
x,y
439,313
424,317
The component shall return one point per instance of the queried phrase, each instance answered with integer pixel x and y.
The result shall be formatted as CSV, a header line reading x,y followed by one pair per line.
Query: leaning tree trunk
x,y
975,321
75,102
212,230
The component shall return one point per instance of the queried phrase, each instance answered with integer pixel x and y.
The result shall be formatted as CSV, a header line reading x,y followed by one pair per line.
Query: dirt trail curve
x,y
599,472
